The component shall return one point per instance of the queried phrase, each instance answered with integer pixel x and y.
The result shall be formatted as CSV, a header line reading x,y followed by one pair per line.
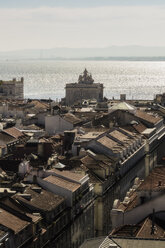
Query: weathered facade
x,y
12,89
84,89
140,201
114,159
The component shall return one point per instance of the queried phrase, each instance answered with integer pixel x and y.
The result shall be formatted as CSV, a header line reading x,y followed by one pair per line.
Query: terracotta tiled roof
x,y
6,139
145,230
90,135
62,183
45,200
32,127
128,132
14,132
147,117
138,243
92,163
11,221
121,137
126,231
94,178
133,202
106,141
155,181
40,105
35,218
88,160
69,175
141,230
139,127
71,118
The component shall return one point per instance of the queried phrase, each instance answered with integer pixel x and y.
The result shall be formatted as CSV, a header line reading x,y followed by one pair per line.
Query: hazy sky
x,y
27,24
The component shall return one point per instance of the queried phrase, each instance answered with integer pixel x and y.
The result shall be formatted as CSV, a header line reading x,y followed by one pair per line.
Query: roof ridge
x,y
142,226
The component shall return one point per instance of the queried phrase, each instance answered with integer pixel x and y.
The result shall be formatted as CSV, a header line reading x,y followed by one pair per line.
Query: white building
x,y
58,124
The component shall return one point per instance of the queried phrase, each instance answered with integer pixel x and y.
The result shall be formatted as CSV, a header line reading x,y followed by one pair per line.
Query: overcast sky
x,y
28,24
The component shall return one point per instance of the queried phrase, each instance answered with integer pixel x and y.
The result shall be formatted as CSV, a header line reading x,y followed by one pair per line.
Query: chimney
x,y
40,149
37,189
26,196
159,183
35,179
111,124
5,192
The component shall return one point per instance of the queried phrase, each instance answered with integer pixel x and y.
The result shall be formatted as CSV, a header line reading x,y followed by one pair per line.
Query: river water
x,y
47,78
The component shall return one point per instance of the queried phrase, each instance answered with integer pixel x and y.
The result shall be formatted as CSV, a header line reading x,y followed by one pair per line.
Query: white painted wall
x,y
41,118
138,213
56,124
57,190
24,167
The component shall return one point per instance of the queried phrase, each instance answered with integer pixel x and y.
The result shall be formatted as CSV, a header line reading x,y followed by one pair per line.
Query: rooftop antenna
x,y
151,183
153,223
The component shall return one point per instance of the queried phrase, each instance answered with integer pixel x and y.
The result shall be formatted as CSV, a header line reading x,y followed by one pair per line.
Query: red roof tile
x,y
147,117
62,183
14,132
11,221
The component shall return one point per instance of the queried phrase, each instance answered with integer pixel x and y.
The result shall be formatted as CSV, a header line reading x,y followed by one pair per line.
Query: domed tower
x,y
85,89
85,78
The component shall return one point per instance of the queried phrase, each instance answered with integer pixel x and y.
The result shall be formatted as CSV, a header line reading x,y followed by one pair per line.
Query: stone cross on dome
x,y
85,72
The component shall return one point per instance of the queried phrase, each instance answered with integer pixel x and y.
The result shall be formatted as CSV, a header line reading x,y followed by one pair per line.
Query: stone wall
x,y
78,92
12,89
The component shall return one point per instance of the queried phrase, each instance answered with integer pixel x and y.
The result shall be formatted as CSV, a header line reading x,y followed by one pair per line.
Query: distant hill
x,y
108,53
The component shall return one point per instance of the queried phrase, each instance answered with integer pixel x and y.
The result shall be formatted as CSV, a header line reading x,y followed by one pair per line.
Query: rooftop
x,y
93,243
93,177
31,127
14,132
121,137
71,118
11,221
109,143
77,177
40,105
12,81
6,139
141,230
138,243
118,139
133,202
94,162
147,117
123,106
90,135
155,180
139,127
43,200
71,186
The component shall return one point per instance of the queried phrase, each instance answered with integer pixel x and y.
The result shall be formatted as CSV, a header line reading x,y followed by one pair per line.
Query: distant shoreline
x,y
116,58
158,58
